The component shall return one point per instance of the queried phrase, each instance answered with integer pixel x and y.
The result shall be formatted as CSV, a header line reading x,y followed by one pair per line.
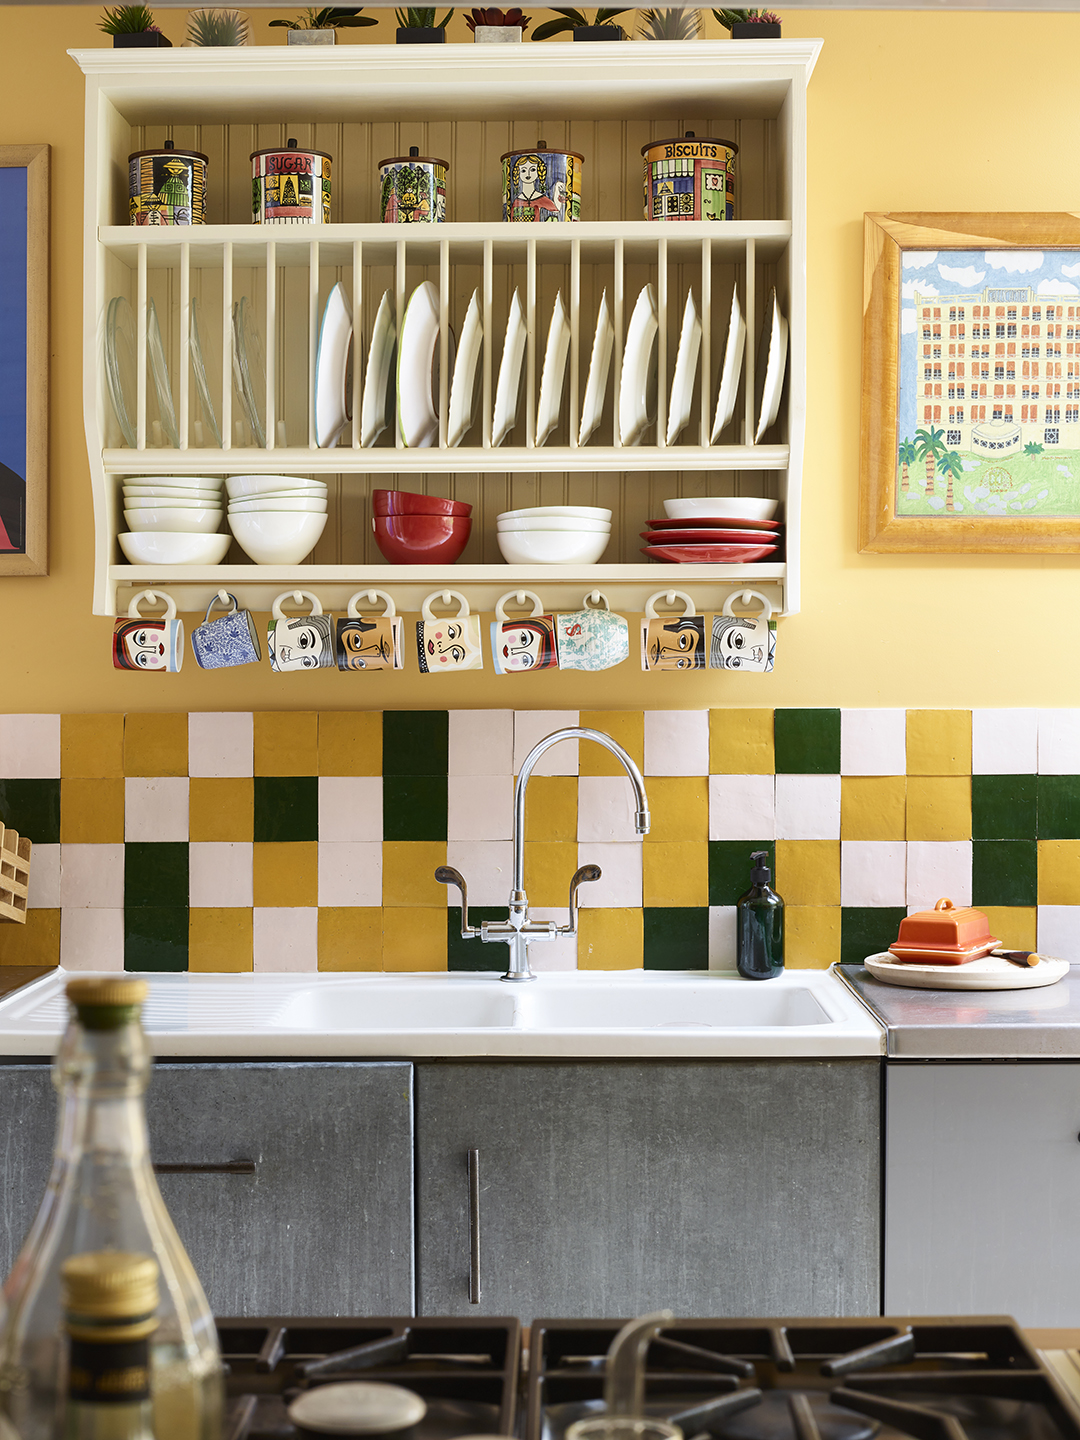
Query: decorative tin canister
x,y
692,178
413,189
167,186
542,184
290,186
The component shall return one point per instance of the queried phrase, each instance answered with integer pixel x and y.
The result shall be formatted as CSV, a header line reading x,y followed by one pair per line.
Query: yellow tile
x,y
219,940
92,746
625,726
91,812
35,943
873,807
1059,872
675,874
679,806
939,807
741,742
939,742
551,807
811,936
286,742
610,940
409,872
414,939
549,867
350,937
286,873
350,743
155,744
1014,925
221,809
808,872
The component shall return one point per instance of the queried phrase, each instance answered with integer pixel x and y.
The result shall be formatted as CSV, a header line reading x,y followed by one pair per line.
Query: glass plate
x,y
249,367
120,364
160,370
208,412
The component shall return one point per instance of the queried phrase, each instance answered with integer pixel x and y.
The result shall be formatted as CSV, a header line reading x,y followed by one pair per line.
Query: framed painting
x,y
970,383
24,359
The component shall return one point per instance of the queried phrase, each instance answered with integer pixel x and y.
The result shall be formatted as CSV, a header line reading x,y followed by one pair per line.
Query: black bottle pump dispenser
x,y
760,925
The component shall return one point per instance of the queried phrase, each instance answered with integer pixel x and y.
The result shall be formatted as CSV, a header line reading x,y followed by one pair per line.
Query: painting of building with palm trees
x,y
989,383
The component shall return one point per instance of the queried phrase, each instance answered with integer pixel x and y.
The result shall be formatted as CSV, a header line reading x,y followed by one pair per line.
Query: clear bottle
x,y
760,925
102,1195
110,1300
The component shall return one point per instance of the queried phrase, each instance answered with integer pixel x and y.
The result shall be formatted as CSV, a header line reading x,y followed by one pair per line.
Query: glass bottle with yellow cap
x,y
110,1313
102,1196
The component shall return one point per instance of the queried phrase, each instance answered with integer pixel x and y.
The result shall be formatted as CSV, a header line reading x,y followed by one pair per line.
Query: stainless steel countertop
x,y
974,1024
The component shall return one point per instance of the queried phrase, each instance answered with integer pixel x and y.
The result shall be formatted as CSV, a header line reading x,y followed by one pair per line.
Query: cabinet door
x,y
613,1188
982,1188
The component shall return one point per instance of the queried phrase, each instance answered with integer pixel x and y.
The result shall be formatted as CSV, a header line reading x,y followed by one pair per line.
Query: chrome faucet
x,y
517,930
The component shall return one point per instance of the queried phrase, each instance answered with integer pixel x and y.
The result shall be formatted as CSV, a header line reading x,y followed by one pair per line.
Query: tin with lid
x,y
691,177
167,186
412,189
542,184
290,186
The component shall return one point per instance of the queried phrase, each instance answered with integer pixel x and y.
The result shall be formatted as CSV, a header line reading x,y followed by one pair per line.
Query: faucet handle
x,y
447,875
581,877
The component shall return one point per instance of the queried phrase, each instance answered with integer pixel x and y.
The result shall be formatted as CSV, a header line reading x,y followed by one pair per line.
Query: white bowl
x,y
298,507
167,493
555,522
279,495
550,547
142,502
731,507
566,512
164,547
177,482
277,539
185,522
259,484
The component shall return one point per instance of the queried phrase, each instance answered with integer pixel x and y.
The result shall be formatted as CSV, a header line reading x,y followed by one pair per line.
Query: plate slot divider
x,y
313,339
444,340
140,350
661,344
750,358
185,340
619,296
399,304
357,333
706,339
226,345
489,336
575,336
271,344
531,343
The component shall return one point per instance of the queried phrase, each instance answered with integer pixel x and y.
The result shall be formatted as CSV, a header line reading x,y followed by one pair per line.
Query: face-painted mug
x,y
525,643
672,642
300,642
743,642
229,640
592,638
156,644
371,642
451,643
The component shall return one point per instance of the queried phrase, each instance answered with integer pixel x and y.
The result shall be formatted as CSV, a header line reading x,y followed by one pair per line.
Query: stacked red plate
x,y
712,540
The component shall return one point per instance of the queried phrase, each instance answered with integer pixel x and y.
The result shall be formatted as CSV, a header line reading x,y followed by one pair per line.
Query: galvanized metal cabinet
x,y
617,1187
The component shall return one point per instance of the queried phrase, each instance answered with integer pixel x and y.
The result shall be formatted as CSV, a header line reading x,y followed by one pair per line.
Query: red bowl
x,y
403,502
421,539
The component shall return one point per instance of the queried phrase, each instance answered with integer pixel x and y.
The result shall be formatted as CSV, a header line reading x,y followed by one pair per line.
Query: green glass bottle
x,y
759,923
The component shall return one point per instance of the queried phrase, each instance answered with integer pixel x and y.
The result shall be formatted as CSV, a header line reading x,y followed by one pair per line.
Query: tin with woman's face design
x,y
542,184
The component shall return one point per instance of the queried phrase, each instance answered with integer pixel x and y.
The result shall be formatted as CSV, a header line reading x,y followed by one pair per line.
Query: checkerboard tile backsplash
x,y
304,841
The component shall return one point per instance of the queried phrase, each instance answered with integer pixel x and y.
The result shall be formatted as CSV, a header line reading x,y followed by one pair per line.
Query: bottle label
x,y
115,1373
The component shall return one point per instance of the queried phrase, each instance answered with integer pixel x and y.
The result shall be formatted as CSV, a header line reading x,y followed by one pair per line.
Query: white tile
x,y
221,743
551,955
873,872
1059,742
606,808
44,884
873,742
29,747
1058,932
742,807
220,874
92,939
351,807
91,876
350,872
722,937
481,742
676,742
937,868
619,886
285,939
807,807
1004,742
531,726
156,808
480,807
487,867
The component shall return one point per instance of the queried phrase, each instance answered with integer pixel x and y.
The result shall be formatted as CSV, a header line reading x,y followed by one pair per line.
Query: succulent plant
x,y
573,20
127,20
728,18
331,17
217,27
421,18
498,17
670,24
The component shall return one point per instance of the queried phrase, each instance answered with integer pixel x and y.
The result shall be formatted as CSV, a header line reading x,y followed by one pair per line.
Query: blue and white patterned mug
x,y
231,639
592,638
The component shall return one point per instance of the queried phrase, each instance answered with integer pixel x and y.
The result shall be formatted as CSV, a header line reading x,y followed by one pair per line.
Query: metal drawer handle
x,y
474,1227
228,1167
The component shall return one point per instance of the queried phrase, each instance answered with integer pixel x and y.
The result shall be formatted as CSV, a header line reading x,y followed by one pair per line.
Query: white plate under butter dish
x,y
991,972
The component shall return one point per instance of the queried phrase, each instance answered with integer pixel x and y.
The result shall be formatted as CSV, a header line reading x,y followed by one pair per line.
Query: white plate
x,y
731,369
202,385
599,365
463,385
121,358
333,397
376,407
774,334
992,972
249,368
418,368
509,383
159,368
637,385
682,385
554,371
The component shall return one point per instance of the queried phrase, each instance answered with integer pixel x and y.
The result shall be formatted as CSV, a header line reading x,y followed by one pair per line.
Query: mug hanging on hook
x,y
592,638
448,643
672,642
155,643
371,642
229,640
300,642
524,643
743,642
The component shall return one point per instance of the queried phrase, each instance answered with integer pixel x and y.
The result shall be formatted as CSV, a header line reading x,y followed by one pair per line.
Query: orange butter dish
x,y
945,935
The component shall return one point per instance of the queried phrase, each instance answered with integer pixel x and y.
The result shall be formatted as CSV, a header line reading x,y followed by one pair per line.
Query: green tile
x,y
730,866
156,874
474,954
1059,807
416,742
156,937
414,808
677,938
807,742
32,807
1003,807
867,930
286,807
1004,872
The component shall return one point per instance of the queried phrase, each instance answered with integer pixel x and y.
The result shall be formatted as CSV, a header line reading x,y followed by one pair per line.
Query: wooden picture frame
x,y
24,359
988,496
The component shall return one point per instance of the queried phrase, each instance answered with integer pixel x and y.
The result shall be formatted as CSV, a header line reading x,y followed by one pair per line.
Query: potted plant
x,y
580,27
320,27
132,27
670,25
217,27
497,27
750,24
418,26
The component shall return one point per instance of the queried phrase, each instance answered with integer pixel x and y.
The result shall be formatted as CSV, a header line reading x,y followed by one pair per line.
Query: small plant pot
x,y
497,34
142,40
599,32
421,35
311,37
744,30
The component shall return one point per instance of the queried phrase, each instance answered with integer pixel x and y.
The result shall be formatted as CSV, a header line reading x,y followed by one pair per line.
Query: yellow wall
x,y
909,110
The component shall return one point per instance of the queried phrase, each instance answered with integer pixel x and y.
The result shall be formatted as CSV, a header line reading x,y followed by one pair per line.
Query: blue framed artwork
x,y
24,359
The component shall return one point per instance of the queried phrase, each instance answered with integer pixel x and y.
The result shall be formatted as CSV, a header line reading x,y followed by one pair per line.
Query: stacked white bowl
x,y
173,520
554,534
276,518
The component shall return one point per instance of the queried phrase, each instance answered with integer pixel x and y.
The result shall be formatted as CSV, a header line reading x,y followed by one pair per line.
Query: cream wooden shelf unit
x,y
469,103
